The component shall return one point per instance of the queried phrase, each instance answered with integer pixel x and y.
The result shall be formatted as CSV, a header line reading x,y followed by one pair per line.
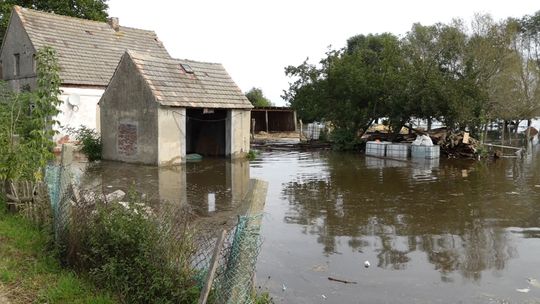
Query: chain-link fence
x,y
233,281
236,259
58,180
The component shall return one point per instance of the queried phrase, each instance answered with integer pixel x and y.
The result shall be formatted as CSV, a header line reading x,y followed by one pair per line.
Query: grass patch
x,y
29,270
252,154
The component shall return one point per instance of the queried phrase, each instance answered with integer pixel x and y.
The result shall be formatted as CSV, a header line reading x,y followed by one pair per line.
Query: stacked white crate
x,y
426,152
398,150
376,148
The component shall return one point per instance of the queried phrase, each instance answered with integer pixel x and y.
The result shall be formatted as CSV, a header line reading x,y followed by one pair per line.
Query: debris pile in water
x,y
455,145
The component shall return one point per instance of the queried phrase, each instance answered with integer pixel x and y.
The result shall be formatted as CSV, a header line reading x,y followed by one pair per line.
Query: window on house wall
x,y
17,65
34,63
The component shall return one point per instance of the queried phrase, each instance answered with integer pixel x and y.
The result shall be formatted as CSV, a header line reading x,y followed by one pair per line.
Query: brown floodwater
x,y
447,231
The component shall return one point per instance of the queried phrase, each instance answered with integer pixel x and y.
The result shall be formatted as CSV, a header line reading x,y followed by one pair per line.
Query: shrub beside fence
x,y
143,254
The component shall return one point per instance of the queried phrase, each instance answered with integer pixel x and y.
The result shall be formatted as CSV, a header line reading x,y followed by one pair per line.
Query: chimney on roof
x,y
114,22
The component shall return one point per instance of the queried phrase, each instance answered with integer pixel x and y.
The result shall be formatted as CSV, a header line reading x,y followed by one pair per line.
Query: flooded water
x,y
433,232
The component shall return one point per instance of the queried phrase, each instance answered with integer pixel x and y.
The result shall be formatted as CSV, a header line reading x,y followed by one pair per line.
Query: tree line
x,y
463,76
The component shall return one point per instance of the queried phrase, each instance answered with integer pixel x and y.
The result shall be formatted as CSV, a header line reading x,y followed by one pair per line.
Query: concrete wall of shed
x,y
238,124
172,135
17,42
129,118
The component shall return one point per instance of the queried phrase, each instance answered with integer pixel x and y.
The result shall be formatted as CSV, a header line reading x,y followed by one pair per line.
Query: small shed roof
x,y
88,51
187,83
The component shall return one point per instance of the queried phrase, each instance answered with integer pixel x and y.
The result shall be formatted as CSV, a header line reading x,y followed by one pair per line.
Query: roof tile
x,y
89,50
210,86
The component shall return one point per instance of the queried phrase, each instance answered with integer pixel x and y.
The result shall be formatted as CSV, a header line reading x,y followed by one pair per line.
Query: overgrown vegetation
x,y
142,257
463,77
345,139
252,154
89,140
26,122
30,271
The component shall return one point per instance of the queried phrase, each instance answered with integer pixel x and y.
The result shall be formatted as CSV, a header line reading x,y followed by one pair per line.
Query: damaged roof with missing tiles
x,y
88,51
186,83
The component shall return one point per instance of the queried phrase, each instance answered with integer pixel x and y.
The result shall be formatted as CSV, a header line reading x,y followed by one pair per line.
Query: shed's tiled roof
x,y
209,86
88,51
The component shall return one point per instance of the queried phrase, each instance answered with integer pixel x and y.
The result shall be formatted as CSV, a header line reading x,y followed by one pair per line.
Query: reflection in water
x,y
452,222
434,231
455,213
209,186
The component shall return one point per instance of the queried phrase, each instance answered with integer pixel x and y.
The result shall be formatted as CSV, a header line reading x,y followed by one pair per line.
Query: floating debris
x,y
283,287
342,281
534,282
323,296
367,264
115,196
512,193
320,268
523,290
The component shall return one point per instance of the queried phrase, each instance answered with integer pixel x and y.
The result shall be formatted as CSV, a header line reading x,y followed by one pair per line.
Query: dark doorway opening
x,y
273,119
205,131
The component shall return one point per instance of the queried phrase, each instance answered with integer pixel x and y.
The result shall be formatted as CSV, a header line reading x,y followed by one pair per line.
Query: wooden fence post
x,y
66,158
212,269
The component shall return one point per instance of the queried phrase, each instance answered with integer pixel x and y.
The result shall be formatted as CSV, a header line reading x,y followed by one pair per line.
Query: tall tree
x,y
351,87
257,98
86,9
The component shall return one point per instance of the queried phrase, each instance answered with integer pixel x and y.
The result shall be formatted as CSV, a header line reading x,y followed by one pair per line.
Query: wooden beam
x,y
501,146
212,269
266,119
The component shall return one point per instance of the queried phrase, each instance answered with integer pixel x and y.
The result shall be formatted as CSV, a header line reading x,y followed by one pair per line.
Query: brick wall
x,y
127,139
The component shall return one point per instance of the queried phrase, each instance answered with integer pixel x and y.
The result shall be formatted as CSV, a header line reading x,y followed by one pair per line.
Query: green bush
x,y
252,154
89,140
129,251
345,140
3,207
263,298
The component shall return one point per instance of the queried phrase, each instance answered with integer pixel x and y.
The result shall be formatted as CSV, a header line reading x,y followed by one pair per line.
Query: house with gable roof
x,y
88,53
157,110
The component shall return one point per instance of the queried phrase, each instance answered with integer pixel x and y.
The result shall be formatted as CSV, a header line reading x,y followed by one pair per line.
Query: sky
x,y
256,39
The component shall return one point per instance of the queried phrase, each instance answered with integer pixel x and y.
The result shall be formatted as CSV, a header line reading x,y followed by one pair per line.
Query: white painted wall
x,y
238,145
87,113
171,135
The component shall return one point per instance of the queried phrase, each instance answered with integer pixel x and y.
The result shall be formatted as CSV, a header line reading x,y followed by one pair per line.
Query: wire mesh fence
x,y
236,259
234,278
